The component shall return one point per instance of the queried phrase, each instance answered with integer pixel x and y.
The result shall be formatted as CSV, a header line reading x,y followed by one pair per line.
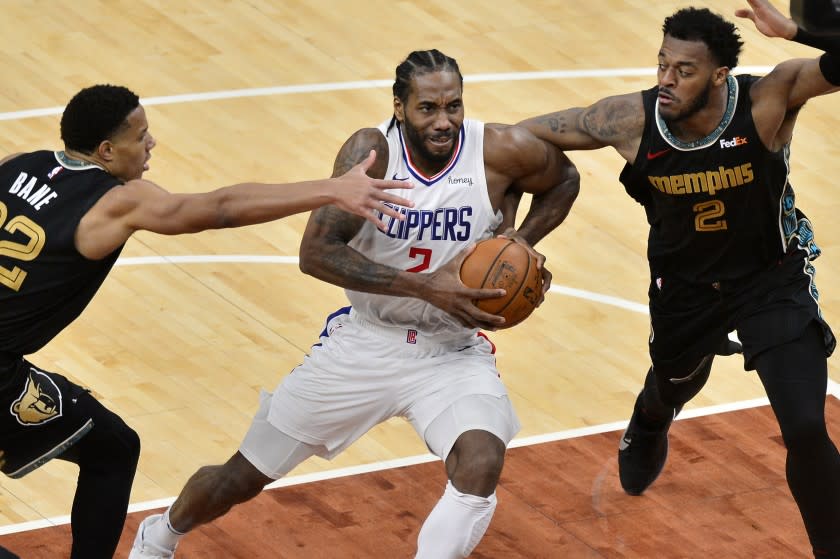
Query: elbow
x,y
310,260
571,184
305,262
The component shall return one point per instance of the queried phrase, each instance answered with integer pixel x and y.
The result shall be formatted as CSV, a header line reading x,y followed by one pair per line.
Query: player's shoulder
x,y
372,138
10,157
511,135
504,141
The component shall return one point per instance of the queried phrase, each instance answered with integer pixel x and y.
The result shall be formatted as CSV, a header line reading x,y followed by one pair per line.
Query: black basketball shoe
x,y
642,452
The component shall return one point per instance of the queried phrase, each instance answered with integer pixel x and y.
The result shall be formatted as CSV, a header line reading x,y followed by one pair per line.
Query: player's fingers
x,y
485,320
546,277
391,212
368,161
484,293
382,184
373,218
393,199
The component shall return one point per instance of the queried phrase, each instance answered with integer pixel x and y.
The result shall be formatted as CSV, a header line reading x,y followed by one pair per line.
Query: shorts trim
x,y
52,453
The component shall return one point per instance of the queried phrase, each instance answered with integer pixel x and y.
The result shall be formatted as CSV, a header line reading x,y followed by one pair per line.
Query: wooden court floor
x,y
722,494
188,329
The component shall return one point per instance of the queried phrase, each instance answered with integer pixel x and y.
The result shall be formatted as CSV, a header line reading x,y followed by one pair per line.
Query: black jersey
x,y
44,281
720,208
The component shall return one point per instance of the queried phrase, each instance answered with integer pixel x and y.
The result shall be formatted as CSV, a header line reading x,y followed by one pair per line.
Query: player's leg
x,y
795,377
317,409
107,458
47,416
265,454
473,465
680,370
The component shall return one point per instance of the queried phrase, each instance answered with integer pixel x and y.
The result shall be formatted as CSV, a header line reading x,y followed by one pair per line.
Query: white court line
x,y
400,462
370,84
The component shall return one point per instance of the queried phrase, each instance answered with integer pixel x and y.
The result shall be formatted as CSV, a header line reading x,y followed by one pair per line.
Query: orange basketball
x,y
502,263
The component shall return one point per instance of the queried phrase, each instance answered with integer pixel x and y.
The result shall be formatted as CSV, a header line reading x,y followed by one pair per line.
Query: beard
x,y
418,144
695,107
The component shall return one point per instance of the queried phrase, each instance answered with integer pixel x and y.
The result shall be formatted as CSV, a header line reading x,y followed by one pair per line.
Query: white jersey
x,y
451,210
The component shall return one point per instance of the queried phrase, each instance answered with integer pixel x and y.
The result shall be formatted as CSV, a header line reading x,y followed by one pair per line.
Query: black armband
x,y
830,61
830,68
827,43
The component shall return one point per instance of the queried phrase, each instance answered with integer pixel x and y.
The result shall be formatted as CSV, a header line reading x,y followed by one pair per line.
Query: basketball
x,y
500,263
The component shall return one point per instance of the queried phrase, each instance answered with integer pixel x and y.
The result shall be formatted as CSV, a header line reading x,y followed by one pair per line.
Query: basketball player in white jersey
x,y
410,344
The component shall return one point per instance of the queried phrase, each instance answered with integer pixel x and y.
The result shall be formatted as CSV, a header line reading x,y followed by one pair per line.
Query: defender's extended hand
x,y
768,20
366,197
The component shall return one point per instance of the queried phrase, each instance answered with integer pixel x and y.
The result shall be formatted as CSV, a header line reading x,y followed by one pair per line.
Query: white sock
x,y
162,534
455,525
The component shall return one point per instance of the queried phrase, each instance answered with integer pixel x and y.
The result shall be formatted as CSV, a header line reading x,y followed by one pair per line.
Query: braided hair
x,y
418,63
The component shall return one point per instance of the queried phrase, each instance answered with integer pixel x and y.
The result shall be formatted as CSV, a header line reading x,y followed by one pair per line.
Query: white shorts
x,y
362,374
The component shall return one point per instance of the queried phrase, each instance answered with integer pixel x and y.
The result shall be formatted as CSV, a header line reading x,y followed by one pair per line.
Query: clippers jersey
x,y
719,208
452,209
45,283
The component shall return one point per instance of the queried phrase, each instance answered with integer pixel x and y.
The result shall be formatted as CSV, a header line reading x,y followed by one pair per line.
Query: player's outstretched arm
x,y
613,121
794,81
143,205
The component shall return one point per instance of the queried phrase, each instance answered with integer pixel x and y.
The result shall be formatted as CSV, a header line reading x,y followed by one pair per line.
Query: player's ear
x,y
720,75
105,150
399,109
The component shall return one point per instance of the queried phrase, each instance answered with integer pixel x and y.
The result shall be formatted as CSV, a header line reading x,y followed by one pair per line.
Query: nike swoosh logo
x,y
655,154
396,178
624,443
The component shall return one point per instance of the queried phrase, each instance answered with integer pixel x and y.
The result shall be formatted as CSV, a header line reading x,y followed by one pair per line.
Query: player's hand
x,y
445,290
768,20
513,234
364,196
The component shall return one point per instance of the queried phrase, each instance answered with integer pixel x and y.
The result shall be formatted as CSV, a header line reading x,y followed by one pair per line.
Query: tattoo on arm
x,y
341,265
357,148
555,122
610,120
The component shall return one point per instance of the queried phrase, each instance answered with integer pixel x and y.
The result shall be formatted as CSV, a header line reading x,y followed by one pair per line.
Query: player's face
x,y
686,74
130,148
432,117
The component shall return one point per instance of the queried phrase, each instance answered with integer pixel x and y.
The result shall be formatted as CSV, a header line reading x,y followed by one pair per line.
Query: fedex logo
x,y
734,142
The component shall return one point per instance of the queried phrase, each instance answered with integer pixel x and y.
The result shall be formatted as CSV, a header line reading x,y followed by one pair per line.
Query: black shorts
x,y
690,320
42,414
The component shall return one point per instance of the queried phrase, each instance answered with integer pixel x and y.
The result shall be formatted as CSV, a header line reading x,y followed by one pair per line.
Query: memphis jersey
x,y
45,283
451,210
719,208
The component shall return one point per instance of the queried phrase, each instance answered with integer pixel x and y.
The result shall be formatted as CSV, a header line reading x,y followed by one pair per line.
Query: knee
x,y
125,447
232,484
479,457
806,436
110,447
131,444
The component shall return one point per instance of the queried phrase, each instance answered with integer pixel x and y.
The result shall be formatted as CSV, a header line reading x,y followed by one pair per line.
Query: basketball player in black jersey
x,y
65,216
707,157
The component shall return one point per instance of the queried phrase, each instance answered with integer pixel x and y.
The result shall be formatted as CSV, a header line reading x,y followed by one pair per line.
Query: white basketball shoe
x,y
143,549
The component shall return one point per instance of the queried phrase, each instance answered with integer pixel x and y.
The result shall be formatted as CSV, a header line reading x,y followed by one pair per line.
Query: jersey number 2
x,y
425,254
13,278
709,216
